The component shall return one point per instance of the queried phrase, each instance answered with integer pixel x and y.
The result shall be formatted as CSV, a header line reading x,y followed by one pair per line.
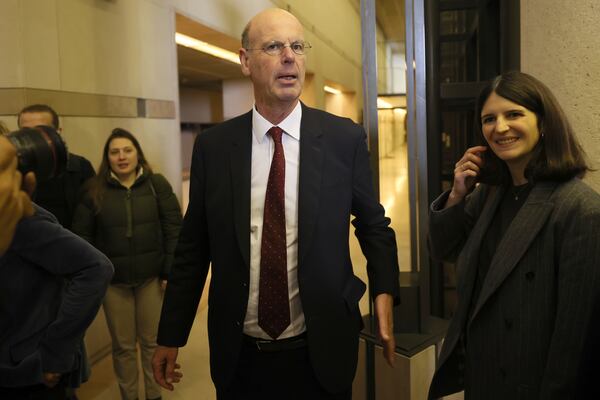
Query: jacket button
x,y
237,323
244,284
503,373
530,275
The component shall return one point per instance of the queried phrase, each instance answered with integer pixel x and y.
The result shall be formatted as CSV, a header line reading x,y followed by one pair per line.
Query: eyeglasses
x,y
276,48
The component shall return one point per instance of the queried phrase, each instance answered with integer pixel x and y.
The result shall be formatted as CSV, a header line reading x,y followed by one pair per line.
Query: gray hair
x,y
245,36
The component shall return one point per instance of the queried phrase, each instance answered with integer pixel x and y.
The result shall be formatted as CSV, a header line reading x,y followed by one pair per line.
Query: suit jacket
x,y
526,332
334,182
41,323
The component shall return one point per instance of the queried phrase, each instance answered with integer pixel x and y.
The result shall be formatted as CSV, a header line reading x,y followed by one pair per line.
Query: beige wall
x,y
126,48
200,106
343,104
559,45
117,48
238,97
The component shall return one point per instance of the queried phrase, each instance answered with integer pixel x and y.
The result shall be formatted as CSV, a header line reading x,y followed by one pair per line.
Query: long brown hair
x,y
3,128
97,185
558,155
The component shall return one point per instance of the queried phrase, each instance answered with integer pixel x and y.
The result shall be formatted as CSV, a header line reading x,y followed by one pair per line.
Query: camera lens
x,y
41,150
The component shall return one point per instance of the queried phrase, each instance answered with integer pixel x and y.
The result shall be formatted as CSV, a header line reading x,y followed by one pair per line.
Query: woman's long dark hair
x,y
558,156
97,185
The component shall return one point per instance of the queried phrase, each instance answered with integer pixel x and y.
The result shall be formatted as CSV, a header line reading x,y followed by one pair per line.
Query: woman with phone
x,y
524,232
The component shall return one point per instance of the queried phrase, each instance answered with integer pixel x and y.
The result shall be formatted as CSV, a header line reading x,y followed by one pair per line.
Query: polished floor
x,y
196,383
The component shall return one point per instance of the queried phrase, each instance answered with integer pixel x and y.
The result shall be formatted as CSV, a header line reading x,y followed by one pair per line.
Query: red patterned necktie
x,y
273,298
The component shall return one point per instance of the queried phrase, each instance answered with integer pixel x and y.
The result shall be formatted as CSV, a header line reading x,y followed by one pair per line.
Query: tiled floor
x,y
194,358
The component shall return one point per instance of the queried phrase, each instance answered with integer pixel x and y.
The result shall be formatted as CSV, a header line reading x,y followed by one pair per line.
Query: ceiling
x,y
390,17
197,69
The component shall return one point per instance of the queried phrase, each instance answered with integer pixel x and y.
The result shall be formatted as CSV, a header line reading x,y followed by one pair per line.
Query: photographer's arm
x,y
14,202
46,244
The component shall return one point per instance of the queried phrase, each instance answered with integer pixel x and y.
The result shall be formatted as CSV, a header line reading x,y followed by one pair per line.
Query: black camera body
x,y
40,150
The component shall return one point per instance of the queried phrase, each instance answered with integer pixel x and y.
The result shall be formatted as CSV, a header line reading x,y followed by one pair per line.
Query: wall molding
x,y
76,104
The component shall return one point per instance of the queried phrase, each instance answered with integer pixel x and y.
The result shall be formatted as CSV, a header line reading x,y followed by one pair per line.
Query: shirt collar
x,y
139,173
290,125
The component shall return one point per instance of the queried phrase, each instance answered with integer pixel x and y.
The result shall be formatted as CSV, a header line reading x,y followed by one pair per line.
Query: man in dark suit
x,y
271,196
59,195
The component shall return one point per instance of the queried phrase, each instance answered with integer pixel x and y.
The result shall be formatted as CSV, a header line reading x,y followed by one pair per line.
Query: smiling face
x,y
511,131
277,80
123,158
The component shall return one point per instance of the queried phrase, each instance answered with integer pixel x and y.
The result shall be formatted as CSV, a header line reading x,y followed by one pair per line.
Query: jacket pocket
x,y
353,291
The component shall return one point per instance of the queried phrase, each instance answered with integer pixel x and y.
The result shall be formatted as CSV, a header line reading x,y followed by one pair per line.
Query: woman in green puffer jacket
x,y
132,215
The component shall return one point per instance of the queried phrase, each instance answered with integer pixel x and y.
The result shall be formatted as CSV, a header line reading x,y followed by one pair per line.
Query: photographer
x,y
40,334
59,195
42,321
14,202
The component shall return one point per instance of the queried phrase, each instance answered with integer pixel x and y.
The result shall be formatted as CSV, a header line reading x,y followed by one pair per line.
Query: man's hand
x,y
14,202
51,379
384,304
165,368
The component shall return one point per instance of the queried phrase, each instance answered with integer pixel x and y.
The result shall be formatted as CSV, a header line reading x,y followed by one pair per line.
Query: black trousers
x,y
277,375
35,392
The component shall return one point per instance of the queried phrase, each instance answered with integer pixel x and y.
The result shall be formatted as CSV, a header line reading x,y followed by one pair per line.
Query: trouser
x,y
34,392
132,314
265,373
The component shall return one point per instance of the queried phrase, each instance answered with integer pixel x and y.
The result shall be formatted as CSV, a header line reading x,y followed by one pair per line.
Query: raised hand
x,y
466,171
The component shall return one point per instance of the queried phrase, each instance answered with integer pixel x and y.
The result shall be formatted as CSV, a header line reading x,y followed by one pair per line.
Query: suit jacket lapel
x,y
518,237
470,252
309,180
467,265
241,164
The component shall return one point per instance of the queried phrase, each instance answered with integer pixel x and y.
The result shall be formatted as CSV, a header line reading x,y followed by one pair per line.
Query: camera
x,y
41,150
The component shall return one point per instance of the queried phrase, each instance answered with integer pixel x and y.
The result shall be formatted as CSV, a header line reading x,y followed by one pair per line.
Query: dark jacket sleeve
x,y
64,254
84,171
376,238
449,228
84,220
191,264
577,252
87,171
170,219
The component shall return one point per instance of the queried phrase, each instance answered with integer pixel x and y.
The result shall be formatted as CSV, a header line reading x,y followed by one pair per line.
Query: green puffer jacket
x,y
136,228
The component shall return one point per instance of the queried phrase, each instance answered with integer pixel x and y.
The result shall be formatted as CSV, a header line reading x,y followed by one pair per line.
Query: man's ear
x,y
243,53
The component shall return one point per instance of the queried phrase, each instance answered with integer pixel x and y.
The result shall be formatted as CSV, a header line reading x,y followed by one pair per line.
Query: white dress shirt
x,y
262,155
